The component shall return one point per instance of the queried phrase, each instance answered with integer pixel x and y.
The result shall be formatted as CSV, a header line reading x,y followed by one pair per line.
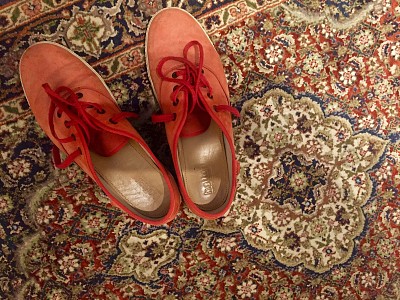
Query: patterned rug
x,y
317,211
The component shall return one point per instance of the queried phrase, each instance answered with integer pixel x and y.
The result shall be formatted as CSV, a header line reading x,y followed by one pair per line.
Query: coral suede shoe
x,y
190,85
77,111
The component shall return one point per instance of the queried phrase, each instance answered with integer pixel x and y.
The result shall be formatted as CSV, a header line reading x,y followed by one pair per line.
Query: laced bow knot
x,y
189,79
64,100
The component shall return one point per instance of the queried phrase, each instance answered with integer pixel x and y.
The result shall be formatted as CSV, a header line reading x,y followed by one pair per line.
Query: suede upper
x,y
169,32
58,67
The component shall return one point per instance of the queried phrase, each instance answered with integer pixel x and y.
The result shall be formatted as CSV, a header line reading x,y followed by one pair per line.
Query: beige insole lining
x,y
205,170
133,178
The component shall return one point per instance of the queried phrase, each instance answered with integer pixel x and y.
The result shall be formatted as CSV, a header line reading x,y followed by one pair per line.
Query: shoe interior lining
x,y
132,177
206,168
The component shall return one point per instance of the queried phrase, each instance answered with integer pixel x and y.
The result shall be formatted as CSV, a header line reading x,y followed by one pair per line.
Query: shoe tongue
x,y
106,143
196,123
102,142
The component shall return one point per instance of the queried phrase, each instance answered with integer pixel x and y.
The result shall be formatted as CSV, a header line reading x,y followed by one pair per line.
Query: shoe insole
x,y
134,180
204,168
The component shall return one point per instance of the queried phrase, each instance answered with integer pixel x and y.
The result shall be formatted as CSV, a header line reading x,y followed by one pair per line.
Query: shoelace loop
x,y
65,101
189,80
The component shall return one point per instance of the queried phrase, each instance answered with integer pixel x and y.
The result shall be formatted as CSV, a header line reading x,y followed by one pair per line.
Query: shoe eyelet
x,y
79,95
175,87
210,96
202,71
59,115
73,137
174,114
112,121
176,102
66,124
174,75
215,108
101,111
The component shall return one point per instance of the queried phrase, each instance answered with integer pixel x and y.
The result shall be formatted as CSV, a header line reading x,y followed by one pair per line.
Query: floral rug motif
x,y
340,14
317,210
304,179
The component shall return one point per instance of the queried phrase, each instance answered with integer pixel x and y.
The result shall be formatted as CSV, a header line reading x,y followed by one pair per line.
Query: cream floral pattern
x,y
86,31
68,263
304,178
246,289
339,13
274,54
364,40
238,41
395,51
142,256
313,64
19,168
6,204
44,215
94,222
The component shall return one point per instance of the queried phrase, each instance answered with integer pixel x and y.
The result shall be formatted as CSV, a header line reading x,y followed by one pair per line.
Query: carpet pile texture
x,y
317,210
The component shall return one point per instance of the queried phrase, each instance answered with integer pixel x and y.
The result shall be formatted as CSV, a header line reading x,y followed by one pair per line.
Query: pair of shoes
x,y
77,111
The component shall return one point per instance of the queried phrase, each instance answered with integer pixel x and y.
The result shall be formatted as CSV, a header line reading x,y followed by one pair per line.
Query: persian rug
x,y
317,210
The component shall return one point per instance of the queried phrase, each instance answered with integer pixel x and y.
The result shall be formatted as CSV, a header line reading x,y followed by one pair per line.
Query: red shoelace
x,y
189,80
65,100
